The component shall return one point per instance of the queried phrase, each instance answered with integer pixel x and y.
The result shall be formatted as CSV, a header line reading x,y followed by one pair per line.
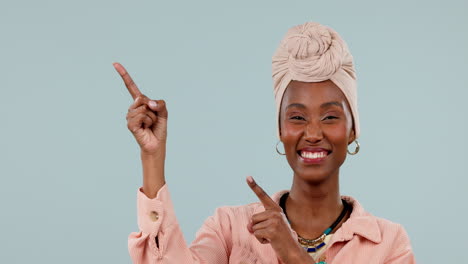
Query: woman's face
x,y
316,128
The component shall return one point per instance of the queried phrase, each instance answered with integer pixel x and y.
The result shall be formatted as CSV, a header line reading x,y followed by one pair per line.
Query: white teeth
x,y
313,155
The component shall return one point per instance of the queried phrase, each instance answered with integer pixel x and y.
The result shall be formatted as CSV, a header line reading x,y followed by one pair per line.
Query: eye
x,y
297,118
330,117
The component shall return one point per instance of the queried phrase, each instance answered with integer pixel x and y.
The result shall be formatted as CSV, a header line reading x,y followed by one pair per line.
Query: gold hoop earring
x,y
278,150
356,150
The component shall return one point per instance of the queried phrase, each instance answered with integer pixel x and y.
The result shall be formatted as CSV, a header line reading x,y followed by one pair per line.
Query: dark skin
x,y
314,194
147,120
324,120
311,115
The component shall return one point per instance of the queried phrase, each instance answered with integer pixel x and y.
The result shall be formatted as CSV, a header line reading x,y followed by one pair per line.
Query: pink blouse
x,y
224,238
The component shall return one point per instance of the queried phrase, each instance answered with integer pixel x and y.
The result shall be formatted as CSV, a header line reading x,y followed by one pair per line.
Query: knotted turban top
x,y
312,52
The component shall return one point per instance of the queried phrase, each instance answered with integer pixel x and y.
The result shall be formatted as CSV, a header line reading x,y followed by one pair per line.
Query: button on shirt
x,y
154,216
223,238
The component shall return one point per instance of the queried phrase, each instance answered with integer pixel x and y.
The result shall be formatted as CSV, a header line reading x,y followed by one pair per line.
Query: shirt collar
x,y
359,223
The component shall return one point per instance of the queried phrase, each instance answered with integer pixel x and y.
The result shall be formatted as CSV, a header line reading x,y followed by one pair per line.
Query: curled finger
x,y
136,111
136,122
262,236
140,100
263,216
152,115
147,122
261,225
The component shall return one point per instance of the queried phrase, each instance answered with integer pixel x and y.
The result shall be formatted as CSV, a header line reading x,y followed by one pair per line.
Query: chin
x,y
315,171
315,177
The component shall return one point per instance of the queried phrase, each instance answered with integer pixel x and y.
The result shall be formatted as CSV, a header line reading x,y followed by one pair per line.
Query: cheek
x,y
290,133
289,129
338,135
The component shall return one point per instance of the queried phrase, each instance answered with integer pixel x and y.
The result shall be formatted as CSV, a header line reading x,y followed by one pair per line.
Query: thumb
x,y
153,105
249,227
158,106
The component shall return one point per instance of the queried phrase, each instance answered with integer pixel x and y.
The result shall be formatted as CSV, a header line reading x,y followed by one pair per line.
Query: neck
x,y
312,207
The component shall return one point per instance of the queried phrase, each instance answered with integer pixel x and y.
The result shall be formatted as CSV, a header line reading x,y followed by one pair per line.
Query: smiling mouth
x,y
313,156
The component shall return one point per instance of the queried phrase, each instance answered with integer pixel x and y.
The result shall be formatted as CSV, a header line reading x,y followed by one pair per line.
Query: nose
x,y
313,132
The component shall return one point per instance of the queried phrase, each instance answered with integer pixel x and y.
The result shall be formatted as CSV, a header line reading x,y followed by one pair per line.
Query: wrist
x,y
289,251
157,155
153,172
300,256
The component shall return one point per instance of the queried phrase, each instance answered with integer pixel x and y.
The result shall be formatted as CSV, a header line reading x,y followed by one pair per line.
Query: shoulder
x,y
393,233
373,238
388,226
396,240
389,235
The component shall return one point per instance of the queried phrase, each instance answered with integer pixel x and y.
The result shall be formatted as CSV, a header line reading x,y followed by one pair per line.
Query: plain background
x,y
70,169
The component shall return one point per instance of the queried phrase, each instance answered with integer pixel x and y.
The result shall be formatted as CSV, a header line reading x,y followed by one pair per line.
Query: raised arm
x,y
147,120
160,239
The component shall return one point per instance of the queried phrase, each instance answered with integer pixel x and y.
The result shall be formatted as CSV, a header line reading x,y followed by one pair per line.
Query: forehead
x,y
312,94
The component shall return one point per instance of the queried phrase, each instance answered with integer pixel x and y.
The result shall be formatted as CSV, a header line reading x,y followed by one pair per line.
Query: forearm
x,y
153,171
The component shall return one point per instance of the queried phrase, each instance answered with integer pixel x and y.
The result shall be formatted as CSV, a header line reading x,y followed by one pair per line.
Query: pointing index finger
x,y
131,86
266,200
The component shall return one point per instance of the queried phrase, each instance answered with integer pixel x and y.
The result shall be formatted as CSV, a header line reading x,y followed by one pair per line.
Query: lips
x,y
313,155
313,150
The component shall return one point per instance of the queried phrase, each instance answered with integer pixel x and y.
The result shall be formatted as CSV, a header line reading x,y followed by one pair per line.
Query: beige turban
x,y
313,53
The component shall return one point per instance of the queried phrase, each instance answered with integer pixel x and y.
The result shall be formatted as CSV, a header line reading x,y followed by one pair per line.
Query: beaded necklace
x,y
312,245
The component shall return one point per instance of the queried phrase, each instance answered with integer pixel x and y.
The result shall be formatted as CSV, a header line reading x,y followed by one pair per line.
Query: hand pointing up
x,y
146,118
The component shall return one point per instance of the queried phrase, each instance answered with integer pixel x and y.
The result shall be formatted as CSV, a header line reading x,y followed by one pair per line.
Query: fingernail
x,y
152,104
250,179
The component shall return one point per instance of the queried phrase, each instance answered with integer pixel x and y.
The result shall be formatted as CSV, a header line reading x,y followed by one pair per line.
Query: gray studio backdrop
x,y
70,169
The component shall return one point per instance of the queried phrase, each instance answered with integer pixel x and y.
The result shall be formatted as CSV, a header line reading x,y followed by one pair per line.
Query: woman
x,y
317,120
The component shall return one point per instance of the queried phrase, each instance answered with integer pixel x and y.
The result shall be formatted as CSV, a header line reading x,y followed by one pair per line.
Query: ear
x,y
352,136
279,125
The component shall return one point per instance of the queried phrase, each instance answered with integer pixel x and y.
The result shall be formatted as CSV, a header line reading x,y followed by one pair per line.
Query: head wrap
x,y
312,52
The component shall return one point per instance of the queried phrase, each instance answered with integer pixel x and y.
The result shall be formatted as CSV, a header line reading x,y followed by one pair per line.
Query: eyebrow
x,y
298,105
330,104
